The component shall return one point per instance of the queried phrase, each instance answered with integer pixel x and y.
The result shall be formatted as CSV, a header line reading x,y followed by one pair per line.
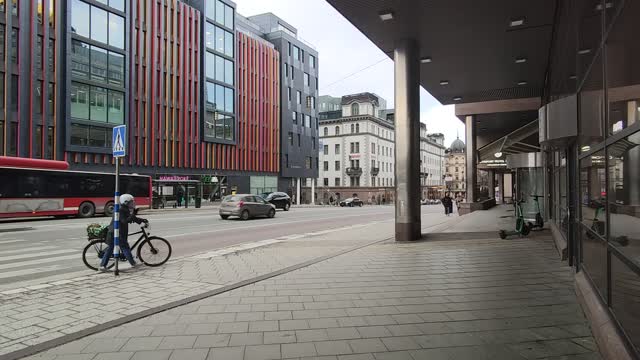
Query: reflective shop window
x,y
116,69
624,298
624,195
99,64
593,193
591,108
210,67
79,99
210,31
623,55
98,104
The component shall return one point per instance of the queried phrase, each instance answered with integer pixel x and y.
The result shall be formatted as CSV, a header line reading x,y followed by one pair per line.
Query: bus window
x,y
8,184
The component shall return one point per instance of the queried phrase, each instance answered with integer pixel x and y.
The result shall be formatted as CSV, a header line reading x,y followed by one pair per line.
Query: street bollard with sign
x,y
119,146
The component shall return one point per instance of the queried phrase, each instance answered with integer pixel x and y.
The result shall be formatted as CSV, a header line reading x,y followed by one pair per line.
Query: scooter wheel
x,y
503,234
525,230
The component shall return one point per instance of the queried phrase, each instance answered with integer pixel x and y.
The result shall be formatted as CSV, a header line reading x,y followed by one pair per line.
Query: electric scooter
x,y
522,228
598,227
539,221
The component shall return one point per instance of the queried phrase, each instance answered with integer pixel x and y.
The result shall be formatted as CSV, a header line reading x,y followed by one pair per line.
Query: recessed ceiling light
x,y
444,82
521,60
584,51
457,98
572,77
386,15
516,22
425,60
522,83
609,5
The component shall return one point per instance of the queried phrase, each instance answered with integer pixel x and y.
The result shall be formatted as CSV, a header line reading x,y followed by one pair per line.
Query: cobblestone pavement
x,y
453,299
40,313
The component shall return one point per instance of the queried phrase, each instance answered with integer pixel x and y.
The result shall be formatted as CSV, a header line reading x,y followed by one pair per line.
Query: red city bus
x,y
34,187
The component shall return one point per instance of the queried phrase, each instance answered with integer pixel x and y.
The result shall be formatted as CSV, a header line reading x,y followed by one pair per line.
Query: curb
x,y
35,349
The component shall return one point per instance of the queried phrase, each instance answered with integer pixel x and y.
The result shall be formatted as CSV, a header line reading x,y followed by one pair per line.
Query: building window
x,y
373,148
293,73
337,130
286,70
312,61
294,117
299,140
337,148
296,53
325,166
13,138
326,181
326,131
337,165
325,149
337,181
306,79
299,97
290,138
357,147
38,98
14,93
307,121
357,128
355,109
352,148
313,142
289,93
307,162
14,45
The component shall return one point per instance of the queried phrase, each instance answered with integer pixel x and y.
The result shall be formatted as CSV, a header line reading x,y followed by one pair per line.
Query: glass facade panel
x,y
79,135
14,93
98,104
625,295
38,98
50,143
117,4
228,43
220,98
79,99
210,34
116,69
228,16
219,34
80,60
38,55
51,55
116,31
99,64
219,12
80,15
98,136
12,149
593,192
624,195
99,25
219,70
229,128
228,72
2,43
52,104
116,107
210,67
15,34
229,100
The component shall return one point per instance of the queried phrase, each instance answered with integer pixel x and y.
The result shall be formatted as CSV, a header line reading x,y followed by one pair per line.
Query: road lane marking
x,y
26,256
28,249
11,241
38,261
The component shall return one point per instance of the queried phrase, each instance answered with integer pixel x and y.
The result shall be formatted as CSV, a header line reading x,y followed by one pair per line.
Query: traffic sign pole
x,y
119,146
116,219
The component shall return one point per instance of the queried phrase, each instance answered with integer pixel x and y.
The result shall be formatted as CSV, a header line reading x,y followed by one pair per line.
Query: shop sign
x,y
208,179
173,178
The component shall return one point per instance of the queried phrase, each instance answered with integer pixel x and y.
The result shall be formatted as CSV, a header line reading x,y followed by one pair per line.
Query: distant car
x,y
279,199
351,202
246,206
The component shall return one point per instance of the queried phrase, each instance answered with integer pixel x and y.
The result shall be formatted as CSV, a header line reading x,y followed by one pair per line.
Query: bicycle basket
x,y
97,231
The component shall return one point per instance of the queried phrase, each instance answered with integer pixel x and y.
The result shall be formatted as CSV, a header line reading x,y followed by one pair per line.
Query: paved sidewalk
x,y
480,298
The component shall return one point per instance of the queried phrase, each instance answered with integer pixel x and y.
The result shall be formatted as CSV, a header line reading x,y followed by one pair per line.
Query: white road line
x,y
39,261
31,271
28,249
26,256
11,241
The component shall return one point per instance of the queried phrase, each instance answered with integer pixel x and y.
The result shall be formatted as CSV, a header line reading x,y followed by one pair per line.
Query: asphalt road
x,y
50,249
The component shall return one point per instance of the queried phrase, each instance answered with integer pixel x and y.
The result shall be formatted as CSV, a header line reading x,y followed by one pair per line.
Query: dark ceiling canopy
x,y
479,50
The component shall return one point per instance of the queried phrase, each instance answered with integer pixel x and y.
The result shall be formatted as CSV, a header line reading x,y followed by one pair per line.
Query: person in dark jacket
x,y
127,216
447,202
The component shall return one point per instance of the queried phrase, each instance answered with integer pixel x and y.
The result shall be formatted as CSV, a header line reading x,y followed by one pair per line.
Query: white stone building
x,y
432,163
357,148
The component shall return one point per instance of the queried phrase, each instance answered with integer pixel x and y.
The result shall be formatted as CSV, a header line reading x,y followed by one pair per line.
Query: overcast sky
x,y
343,54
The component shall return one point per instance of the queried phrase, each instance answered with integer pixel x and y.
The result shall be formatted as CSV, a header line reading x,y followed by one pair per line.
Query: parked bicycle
x,y
151,250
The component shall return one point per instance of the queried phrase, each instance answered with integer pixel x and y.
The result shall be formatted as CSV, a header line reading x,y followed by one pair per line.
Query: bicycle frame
x,y
142,237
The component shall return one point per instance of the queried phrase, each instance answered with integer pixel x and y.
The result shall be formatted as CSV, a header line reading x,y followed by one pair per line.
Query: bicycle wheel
x,y
92,254
154,251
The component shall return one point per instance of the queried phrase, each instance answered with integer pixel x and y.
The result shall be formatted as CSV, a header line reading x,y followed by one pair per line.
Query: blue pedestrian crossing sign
x,y
119,140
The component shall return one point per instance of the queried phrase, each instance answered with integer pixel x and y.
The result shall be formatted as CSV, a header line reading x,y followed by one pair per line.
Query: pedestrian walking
x,y
331,200
447,202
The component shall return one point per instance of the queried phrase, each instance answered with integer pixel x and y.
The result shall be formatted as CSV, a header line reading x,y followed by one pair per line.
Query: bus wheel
x,y
86,210
108,209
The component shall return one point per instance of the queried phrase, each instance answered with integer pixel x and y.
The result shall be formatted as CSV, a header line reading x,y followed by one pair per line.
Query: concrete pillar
x,y
298,191
313,191
407,140
492,181
471,156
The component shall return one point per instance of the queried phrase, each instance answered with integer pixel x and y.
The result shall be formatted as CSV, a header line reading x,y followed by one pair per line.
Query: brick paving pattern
x,y
460,299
